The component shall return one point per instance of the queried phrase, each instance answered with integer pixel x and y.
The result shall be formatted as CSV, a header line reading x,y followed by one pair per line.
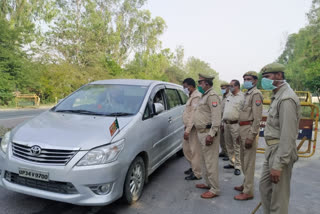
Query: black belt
x,y
231,122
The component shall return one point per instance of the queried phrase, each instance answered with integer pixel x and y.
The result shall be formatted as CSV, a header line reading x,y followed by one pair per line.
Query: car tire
x,y
134,182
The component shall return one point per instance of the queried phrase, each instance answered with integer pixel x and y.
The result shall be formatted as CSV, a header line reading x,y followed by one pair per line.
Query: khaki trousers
x,y
231,133
210,162
275,197
193,152
248,160
223,143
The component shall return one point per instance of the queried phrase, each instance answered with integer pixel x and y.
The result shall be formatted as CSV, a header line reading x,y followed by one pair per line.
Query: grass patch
x,y
3,130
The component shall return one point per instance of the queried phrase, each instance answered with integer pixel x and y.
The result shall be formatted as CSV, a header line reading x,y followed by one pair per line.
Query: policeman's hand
x,y
209,140
186,136
275,175
248,143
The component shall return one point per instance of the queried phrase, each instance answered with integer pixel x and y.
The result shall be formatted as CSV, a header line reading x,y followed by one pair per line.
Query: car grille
x,y
50,186
47,156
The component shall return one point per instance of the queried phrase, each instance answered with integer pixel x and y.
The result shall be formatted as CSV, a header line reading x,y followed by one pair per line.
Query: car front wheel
x,y
134,180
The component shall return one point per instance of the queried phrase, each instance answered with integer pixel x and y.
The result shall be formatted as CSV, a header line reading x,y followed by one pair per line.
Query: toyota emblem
x,y
35,150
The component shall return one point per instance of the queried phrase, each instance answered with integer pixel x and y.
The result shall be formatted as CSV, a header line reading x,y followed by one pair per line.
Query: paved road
x,y
168,193
10,118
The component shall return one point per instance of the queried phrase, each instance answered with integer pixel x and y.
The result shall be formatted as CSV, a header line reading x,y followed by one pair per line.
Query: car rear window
x,y
173,98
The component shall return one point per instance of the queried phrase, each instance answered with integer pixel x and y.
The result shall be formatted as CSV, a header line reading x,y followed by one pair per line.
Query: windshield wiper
x,y
80,112
119,114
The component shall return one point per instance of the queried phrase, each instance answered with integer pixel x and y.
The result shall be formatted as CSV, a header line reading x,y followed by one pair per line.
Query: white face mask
x,y
186,91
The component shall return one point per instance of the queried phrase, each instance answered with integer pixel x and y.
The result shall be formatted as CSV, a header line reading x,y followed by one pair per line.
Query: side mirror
x,y
158,107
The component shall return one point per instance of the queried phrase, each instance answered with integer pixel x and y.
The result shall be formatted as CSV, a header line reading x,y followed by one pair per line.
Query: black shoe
x,y
191,177
228,166
237,172
222,155
225,158
188,172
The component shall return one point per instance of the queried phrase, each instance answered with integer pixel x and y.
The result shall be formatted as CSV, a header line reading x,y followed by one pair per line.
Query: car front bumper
x,y
81,177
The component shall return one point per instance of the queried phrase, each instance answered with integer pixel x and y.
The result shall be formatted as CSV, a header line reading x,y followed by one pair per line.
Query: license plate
x,y
28,173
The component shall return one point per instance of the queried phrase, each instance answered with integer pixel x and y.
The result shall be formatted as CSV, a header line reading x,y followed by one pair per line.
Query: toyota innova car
x,y
98,144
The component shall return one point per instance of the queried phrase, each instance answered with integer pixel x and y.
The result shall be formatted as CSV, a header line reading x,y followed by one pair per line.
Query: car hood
x,y
67,131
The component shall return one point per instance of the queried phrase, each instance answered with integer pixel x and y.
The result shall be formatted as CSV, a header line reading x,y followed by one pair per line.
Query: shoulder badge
x,y
258,102
214,104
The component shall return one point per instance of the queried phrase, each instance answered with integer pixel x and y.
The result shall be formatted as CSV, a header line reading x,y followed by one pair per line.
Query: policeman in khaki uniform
x,y
249,122
207,119
280,134
224,86
191,145
230,118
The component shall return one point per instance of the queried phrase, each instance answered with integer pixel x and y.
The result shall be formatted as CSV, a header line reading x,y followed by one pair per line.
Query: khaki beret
x,y
273,68
206,76
251,73
224,83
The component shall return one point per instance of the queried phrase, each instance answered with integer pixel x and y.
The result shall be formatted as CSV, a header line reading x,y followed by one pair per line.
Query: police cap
x,y
206,77
251,73
273,68
224,83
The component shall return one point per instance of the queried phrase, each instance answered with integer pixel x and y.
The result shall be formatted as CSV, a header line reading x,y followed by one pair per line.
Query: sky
x,y
233,36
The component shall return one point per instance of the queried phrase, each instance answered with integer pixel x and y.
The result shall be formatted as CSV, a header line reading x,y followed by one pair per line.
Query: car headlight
x,y
5,141
102,155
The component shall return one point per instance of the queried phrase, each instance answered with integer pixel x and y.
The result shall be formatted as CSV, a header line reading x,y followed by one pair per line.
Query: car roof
x,y
132,82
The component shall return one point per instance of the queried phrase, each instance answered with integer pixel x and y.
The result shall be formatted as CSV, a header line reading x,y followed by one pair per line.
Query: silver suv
x,y
98,144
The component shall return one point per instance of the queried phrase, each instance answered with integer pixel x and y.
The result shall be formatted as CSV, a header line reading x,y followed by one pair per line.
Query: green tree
x,y
194,66
302,53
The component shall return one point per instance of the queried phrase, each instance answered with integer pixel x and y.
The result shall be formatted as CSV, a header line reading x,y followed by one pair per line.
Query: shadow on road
x,y
53,207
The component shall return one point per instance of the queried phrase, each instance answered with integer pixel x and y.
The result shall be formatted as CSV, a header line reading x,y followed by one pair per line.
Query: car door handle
x,y
170,119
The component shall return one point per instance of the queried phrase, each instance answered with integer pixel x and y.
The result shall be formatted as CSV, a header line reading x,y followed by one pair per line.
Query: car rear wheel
x,y
134,182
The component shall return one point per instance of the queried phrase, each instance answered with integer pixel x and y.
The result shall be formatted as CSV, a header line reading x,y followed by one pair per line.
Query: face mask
x,y
247,84
223,91
267,84
186,91
232,89
201,90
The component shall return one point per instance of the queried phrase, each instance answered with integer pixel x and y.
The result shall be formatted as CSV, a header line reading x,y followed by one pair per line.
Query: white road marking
x,y
14,118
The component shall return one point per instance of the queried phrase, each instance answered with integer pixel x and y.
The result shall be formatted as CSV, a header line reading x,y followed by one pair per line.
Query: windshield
x,y
109,100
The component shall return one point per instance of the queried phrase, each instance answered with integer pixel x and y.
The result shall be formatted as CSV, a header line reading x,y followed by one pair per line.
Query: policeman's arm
x,y
194,103
289,123
215,107
257,107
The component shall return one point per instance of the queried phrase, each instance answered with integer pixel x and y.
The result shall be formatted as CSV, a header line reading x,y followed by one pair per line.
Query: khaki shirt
x,y
252,110
189,110
283,123
223,102
232,106
208,112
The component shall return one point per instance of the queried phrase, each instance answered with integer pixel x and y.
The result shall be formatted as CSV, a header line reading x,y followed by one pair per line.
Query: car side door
x,y
175,126
155,126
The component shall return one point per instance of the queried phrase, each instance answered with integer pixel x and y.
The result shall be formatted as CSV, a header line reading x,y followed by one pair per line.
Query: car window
x,y
146,113
183,97
157,98
173,98
105,99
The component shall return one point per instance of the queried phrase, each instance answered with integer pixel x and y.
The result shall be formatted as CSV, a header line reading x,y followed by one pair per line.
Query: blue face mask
x,y
267,84
247,84
223,91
